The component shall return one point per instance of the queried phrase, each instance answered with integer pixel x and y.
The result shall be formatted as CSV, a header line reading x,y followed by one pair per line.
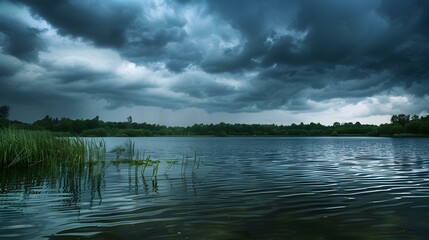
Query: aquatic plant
x,y
196,163
170,163
153,163
186,162
127,154
118,150
128,148
26,148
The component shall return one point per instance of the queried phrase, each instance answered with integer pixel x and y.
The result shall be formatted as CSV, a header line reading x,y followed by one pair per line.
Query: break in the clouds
x,y
182,62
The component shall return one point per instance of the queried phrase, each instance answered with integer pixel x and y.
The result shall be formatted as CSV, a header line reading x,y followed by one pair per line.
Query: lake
x,y
229,188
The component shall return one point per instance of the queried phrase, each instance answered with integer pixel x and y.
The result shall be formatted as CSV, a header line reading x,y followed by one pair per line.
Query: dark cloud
x,y
122,25
381,45
135,99
9,66
333,32
159,42
19,40
235,59
176,65
283,54
410,16
165,42
313,32
38,99
103,22
255,22
202,87
252,17
76,73
179,56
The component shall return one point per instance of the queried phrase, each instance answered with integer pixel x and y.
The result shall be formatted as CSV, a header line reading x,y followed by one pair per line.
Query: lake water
x,y
229,188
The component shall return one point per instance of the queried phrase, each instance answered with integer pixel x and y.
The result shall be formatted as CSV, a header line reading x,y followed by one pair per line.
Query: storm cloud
x,y
219,56
19,40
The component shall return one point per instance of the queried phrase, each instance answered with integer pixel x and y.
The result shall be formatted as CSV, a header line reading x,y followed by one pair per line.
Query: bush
x,y
98,132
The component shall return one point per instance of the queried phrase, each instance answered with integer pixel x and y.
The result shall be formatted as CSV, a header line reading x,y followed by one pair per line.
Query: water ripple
x,y
246,188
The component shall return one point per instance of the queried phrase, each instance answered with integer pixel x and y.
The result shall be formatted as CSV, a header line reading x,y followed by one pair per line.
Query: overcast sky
x,y
180,62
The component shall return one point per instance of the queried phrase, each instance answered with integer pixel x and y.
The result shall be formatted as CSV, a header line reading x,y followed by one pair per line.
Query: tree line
x,y
400,125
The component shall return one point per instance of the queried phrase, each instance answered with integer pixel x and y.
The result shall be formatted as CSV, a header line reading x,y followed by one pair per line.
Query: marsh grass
x,y
23,148
40,159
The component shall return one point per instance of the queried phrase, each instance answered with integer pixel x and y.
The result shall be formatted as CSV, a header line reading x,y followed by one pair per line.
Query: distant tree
x,y
413,127
78,126
390,129
129,119
93,123
65,125
424,128
4,112
46,123
401,119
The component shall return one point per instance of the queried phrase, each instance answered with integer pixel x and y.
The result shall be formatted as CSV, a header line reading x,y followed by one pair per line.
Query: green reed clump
x,y
128,154
27,148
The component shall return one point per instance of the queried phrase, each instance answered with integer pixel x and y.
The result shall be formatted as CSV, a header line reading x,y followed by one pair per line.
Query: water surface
x,y
243,188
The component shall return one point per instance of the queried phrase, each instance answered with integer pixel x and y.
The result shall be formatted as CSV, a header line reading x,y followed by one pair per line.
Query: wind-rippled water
x,y
244,188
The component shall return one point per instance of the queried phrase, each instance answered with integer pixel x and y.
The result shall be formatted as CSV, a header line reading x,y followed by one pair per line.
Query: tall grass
x,y
26,148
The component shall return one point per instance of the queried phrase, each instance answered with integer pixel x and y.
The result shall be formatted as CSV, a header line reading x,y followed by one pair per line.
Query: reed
x,y
196,163
128,154
130,149
26,148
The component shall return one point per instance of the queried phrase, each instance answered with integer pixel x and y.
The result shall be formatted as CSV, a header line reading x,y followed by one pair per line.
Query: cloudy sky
x,y
180,62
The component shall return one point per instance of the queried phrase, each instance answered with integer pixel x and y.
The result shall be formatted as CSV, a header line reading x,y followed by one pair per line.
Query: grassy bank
x,y
27,148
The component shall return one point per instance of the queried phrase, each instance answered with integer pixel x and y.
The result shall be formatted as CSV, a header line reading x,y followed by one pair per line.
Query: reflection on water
x,y
246,188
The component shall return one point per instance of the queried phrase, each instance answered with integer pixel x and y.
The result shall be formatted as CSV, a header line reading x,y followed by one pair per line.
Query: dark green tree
x,y
413,126
93,123
400,119
4,112
414,117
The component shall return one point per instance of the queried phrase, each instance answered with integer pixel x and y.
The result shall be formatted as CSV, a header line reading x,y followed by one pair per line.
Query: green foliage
x,y
4,112
404,126
424,127
97,132
95,127
390,129
413,126
26,148
401,119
